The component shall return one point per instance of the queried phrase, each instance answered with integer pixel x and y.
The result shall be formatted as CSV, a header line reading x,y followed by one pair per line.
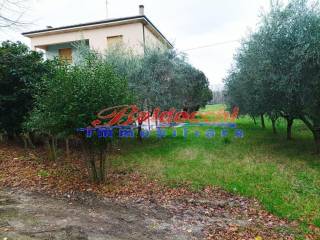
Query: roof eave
x,y
98,24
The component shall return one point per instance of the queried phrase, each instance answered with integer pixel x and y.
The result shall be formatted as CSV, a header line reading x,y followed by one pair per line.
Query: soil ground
x,y
49,201
35,216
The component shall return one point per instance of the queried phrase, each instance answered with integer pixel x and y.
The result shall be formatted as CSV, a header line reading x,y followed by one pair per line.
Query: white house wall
x,y
151,39
132,37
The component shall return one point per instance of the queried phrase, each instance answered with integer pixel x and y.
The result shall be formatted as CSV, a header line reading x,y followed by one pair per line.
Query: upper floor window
x,y
114,41
65,54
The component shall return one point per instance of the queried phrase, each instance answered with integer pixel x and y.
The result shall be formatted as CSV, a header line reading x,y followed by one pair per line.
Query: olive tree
x,y
161,78
277,66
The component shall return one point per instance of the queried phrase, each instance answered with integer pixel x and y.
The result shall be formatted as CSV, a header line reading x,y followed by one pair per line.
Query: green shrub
x,y
70,100
20,69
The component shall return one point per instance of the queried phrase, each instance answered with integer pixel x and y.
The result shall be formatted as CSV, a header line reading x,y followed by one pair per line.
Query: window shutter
x,y
65,54
114,41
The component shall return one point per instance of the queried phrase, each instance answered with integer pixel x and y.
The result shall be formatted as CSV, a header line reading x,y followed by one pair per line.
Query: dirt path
x,y
63,205
31,216
25,216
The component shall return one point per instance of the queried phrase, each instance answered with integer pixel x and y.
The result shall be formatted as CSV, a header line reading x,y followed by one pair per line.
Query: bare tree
x,y
12,13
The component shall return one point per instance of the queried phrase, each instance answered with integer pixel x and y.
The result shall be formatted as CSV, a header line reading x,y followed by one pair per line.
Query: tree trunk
x,y
149,124
89,160
29,141
102,166
51,146
48,146
139,131
94,173
289,128
11,136
254,120
67,149
263,125
54,148
316,135
25,143
315,131
274,129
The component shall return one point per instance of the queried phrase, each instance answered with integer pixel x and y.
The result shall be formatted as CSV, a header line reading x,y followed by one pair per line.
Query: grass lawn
x,y
283,175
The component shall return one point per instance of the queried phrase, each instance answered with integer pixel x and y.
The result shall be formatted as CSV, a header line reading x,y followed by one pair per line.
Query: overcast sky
x,y
186,23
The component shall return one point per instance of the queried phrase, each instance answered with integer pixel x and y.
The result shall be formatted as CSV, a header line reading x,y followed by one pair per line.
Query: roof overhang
x,y
99,24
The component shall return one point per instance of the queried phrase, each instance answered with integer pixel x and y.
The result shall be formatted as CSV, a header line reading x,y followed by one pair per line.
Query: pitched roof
x,y
114,21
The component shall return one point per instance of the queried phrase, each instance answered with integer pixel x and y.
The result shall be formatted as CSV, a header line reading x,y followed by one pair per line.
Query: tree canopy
x,y
161,78
276,70
20,70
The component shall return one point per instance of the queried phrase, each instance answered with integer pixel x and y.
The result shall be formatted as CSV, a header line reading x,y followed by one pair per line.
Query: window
x,y
114,41
65,54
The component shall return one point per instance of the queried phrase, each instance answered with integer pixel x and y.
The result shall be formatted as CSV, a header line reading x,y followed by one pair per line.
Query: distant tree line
x,y
277,69
218,97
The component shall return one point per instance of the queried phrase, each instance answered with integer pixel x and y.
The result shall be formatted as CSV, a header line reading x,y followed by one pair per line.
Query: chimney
x,y
141,10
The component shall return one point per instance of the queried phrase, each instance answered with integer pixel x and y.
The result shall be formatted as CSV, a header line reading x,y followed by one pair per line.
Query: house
x,y
135,32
